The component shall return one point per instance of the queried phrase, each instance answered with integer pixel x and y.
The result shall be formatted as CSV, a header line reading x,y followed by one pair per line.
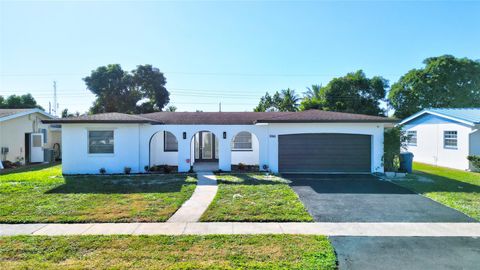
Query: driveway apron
x,y
365,198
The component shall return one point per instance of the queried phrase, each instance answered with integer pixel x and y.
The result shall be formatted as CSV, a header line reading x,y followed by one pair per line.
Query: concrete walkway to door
x,y
193,208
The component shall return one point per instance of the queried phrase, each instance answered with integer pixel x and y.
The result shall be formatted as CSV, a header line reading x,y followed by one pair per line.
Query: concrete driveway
x,y
365,198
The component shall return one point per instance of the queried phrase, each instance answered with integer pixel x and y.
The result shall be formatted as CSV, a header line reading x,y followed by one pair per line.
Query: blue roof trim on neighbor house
x,y
7,114
468,116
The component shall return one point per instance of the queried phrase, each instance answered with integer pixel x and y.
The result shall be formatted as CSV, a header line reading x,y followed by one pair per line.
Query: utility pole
x,y
55,104
220,107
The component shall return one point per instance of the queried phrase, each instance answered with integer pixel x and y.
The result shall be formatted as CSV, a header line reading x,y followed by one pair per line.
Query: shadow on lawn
x,y
345,184
29,168
369,184
249,179
121,184
440,184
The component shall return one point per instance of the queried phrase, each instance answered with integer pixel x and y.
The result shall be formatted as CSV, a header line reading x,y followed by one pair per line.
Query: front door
x,y
36,149
205,146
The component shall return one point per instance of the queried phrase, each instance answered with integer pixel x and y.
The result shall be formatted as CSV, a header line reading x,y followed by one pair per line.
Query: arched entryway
x,y
163,152
245,152
204,151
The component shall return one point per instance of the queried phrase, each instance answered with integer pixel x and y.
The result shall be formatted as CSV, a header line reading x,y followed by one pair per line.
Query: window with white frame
x,y
242,142
412,137
100,141
170,143
450,139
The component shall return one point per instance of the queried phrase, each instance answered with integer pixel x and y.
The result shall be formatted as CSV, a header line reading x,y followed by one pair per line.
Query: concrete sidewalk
x,y
329,229
193,208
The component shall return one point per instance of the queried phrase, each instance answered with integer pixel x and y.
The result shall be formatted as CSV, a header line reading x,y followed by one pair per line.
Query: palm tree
x,y
289,101
312,98
312,92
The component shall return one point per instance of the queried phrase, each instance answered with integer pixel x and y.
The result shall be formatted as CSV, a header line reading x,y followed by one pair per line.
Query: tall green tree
x,y
140,91
19,102
352,93
445,81
284,101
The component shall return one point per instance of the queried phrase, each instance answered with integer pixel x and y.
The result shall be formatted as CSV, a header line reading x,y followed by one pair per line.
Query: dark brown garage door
x,y
324,152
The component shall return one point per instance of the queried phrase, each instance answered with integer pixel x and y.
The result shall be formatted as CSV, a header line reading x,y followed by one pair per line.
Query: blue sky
x,y
229,52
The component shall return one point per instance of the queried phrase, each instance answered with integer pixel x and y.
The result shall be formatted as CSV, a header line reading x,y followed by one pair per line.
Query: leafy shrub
x,y
146,168
127,170
161,168
475,160
241,166
167,169
102,171
394,141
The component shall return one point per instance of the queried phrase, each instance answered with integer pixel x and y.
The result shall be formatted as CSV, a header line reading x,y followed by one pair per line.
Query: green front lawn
x,y
42,194
454,188
167,252
255,197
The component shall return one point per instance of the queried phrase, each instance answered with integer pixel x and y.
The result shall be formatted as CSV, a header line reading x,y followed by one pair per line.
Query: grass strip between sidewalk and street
x,y
167,252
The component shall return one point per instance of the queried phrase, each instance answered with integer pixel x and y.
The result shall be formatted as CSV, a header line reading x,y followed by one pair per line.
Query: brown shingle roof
x,y
318,116
225,118
101,118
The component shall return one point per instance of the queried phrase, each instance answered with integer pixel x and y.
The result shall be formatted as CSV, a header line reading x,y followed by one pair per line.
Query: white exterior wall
x,y
430,148
77,160
185,152
247,157
12,134
132,144
475,141
157,154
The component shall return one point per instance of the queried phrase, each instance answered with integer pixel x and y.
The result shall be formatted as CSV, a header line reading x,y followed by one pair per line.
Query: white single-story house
x,y
444,137
310,141
23,136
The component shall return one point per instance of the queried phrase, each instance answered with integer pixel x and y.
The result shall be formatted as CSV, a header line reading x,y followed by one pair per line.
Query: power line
x,y
241,74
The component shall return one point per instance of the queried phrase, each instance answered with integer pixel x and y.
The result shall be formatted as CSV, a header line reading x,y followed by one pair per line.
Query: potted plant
x,y
127,170
102,171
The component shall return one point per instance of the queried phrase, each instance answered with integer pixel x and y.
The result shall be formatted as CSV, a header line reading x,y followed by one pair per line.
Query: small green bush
x,y
475,160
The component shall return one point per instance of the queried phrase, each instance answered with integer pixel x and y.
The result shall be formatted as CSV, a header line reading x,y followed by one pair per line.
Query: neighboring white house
x,y
444,137
310,141
23,136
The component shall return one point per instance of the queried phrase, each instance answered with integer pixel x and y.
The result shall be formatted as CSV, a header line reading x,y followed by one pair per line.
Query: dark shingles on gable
x,y
224,118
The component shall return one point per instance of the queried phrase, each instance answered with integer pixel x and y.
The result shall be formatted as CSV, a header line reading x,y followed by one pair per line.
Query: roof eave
x,y
328,121
59,121
20,114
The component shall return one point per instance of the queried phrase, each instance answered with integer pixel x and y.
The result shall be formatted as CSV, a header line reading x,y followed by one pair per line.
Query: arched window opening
x,y
242,142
